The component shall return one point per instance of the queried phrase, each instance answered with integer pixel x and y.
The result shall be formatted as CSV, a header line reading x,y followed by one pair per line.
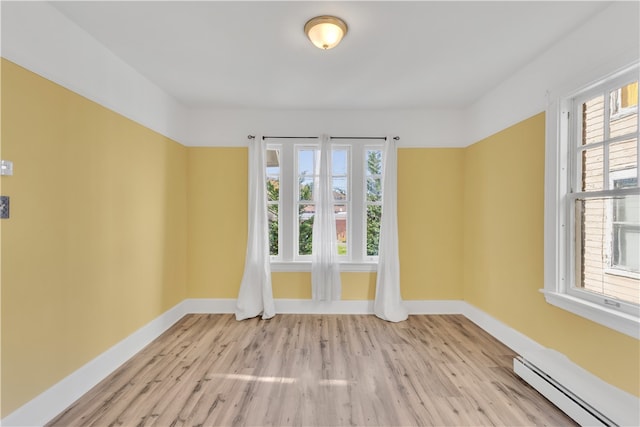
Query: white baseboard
x,y
307,306
296,306
210,305
435,306
50,403
57,398
616,404
518,342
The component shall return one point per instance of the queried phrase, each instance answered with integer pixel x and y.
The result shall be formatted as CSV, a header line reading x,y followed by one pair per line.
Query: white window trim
x,y
558,264
356,260
302,266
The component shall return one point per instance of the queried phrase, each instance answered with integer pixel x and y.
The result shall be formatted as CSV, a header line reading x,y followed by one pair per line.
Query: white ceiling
x,y
240,54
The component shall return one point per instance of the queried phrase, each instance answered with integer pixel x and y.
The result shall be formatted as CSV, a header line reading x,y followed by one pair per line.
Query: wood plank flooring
x,y
316,370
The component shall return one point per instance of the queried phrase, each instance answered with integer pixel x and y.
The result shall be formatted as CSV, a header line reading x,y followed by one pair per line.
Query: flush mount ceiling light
x,y
325,32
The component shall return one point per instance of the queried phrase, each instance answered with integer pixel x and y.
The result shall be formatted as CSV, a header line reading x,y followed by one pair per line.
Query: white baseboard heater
x,y
571,404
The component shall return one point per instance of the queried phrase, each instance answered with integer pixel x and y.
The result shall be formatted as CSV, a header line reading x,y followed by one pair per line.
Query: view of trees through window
x,y
273,195
374,200
305,201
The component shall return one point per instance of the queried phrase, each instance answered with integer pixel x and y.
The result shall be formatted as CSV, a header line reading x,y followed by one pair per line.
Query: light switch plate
x,y
6,167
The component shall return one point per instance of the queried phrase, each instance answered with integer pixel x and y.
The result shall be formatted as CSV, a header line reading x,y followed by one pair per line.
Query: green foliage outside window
x,y
374,212
306,225
374,194
273,194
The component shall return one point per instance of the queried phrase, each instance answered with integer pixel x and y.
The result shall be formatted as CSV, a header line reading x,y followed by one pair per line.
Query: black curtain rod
x,y
397,138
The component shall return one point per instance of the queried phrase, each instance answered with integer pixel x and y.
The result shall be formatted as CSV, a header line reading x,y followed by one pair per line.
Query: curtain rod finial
x,y
251,136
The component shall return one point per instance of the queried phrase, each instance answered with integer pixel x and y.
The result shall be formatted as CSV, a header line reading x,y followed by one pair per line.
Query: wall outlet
x,y
4,207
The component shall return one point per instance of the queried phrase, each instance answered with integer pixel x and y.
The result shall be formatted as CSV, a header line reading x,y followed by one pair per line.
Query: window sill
x,y
367,267
622,322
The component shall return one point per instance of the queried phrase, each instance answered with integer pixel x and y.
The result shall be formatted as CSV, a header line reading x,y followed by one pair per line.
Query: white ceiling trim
x,y
606,42
38,37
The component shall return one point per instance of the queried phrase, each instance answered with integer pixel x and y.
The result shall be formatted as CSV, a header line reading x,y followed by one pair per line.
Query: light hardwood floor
x,y
316,370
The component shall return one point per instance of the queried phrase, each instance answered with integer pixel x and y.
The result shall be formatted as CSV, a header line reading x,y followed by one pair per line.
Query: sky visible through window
x,y
306,166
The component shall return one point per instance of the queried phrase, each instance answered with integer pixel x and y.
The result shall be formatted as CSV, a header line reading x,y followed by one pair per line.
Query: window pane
x,y
273,162
607,251
593,120
623,100
306,189
339,188
305,228
273,188
305,162
626,209
339,162
374,213
592,169
272,213
374,189
624,125
626,231
374,162
623,156
623,110
629,95
341,228
626,255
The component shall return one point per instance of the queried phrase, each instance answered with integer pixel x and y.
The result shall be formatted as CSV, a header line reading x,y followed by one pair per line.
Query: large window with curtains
x,y
291,172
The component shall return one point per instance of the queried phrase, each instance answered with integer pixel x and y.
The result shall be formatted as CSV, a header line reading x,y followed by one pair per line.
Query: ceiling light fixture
x,y
325,32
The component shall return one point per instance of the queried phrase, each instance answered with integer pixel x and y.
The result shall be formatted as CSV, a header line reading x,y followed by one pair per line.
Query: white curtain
x,y
256,296
388,303
325,270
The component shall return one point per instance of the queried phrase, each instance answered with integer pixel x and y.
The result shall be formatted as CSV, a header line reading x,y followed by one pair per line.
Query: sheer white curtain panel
x,y
388,303
256,296
325,270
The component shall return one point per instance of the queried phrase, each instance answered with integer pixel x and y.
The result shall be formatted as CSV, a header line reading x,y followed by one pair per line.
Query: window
x,y
273,199
624,100
592,217
373,200
624,251
292,170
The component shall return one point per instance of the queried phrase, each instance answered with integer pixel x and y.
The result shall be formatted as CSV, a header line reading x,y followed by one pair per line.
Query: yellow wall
x,y
113,224
429,222
96,244
503,255
217,221
430,234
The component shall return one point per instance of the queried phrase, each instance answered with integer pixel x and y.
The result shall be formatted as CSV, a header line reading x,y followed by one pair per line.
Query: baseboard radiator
x,y
569,402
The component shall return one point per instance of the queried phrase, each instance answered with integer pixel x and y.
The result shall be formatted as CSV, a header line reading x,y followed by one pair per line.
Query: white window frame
x,y
356,259
559,231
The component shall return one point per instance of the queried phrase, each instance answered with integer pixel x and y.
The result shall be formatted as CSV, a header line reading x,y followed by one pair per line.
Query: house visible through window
x,y
625,233
606,154
292,172
592,221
